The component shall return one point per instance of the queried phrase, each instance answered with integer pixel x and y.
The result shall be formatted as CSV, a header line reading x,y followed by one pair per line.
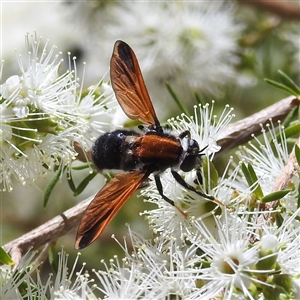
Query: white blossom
x,y
44,112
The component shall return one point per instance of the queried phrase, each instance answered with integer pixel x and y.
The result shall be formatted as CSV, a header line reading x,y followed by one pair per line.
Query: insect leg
x,y
184,134
199,179
160,190
181,181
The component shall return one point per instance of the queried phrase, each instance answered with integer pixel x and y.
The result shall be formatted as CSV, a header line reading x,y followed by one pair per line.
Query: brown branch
x,y
285,9
281,183
241,131
289,170
49,231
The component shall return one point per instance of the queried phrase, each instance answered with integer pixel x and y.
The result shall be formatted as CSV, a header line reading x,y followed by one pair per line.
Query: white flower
x,y
13,280
205,127
150,271
228,258
269,157
208,263
190,45
268,160
289,242
18,283
70,284
193,41
43,113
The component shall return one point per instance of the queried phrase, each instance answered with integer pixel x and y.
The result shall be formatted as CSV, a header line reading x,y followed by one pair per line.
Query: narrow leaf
x,y
288,119
81,167
198,99
292,130
71,182
246,174
51,186
83,184
274,196
289,82
258,191
297,153
279,219
252,180
210,173
298,200
176,99
53,258
280,86
5,258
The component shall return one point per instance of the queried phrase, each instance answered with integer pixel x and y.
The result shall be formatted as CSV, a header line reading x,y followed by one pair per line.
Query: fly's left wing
x,y
129,86
105,205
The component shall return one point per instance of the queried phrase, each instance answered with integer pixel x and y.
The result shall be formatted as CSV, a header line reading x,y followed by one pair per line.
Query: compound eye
x,y
188,163
190,159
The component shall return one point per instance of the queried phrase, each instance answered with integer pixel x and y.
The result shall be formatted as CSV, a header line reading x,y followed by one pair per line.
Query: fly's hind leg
x,y
160,190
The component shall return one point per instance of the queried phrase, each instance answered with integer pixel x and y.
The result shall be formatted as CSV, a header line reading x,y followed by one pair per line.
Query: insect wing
x,y
105,205
129,86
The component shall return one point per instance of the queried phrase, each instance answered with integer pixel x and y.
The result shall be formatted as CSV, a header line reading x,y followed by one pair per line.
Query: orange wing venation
x,y
105,205
129,86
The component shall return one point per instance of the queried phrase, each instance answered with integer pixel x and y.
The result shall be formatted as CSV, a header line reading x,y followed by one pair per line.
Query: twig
x,y
281,183
49,231
241,131
287,10
234,135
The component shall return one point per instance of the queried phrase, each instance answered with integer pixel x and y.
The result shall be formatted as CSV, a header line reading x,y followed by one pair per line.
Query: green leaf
x,y
298,200
51,186
279,219
292,130
5,258
109,176
83,184
82,167
198,99
274,196
289,82
252,180
53,258
176,99
258,191
2,99
131,123
288,119
280,86
273,292
210,173
71,183
297,153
